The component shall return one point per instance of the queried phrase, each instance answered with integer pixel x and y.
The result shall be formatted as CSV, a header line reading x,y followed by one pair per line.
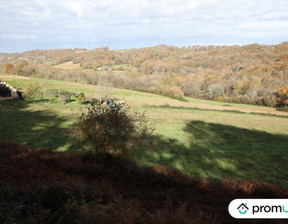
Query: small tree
x,y
80,98
270,101
33,91
213,91
111,129
282,96
8,68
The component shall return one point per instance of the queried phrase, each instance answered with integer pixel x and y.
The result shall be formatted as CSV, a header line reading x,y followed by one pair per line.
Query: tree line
x,y
250,74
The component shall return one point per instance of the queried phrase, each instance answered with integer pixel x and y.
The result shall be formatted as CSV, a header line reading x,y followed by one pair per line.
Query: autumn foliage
x,y
283,96
249,74
8,68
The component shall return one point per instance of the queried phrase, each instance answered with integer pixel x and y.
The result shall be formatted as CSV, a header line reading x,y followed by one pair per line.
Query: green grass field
x,y
198,137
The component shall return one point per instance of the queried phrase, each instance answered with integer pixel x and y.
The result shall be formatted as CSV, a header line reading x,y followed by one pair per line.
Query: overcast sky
x,y
120,24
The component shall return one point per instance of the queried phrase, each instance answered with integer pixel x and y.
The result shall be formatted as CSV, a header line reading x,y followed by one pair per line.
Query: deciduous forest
x,y
250,74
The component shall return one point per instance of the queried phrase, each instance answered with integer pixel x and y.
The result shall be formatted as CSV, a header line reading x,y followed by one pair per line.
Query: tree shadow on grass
x,y
35,128
223,151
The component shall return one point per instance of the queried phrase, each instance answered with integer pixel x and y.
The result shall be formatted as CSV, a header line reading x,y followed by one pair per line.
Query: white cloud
x,y
79,21
18,36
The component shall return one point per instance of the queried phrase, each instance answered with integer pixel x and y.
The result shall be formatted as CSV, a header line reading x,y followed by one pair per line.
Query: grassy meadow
x,y
203,138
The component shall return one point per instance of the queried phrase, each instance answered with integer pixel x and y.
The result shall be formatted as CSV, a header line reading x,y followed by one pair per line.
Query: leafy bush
x,y
285,109
191,89
171,91
213,91
64,99
52,93
244,99
234,99
270,101
282,96
65,96
33,91
4,91
80,98
260,102
93,100
114,129
220,99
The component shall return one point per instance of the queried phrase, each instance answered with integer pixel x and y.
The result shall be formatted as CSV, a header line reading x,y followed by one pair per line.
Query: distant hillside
x,y
249,74
3,54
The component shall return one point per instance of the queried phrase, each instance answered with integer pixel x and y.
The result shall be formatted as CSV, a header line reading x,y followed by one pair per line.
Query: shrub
x,y
33,91
220,99
8,68
191,89
4,91
114,129
65,96
237,88
245,99
285,109
52,93
213,91
80,98
260,101
93,101
171,91
235,99
252,92
270,101
282,96
64,99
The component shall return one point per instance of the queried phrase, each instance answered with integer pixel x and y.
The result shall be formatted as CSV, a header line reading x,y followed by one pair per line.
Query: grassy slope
x,y
208,141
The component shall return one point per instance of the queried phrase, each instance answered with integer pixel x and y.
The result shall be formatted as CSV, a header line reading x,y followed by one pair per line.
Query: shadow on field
x,y
42,186
223,151
41,129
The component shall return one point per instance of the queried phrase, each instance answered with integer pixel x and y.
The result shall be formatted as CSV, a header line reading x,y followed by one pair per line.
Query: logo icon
x,y
243,208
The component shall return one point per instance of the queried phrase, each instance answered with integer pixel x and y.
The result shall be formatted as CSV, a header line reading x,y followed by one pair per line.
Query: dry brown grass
x,y
13,77
68,65
41,186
